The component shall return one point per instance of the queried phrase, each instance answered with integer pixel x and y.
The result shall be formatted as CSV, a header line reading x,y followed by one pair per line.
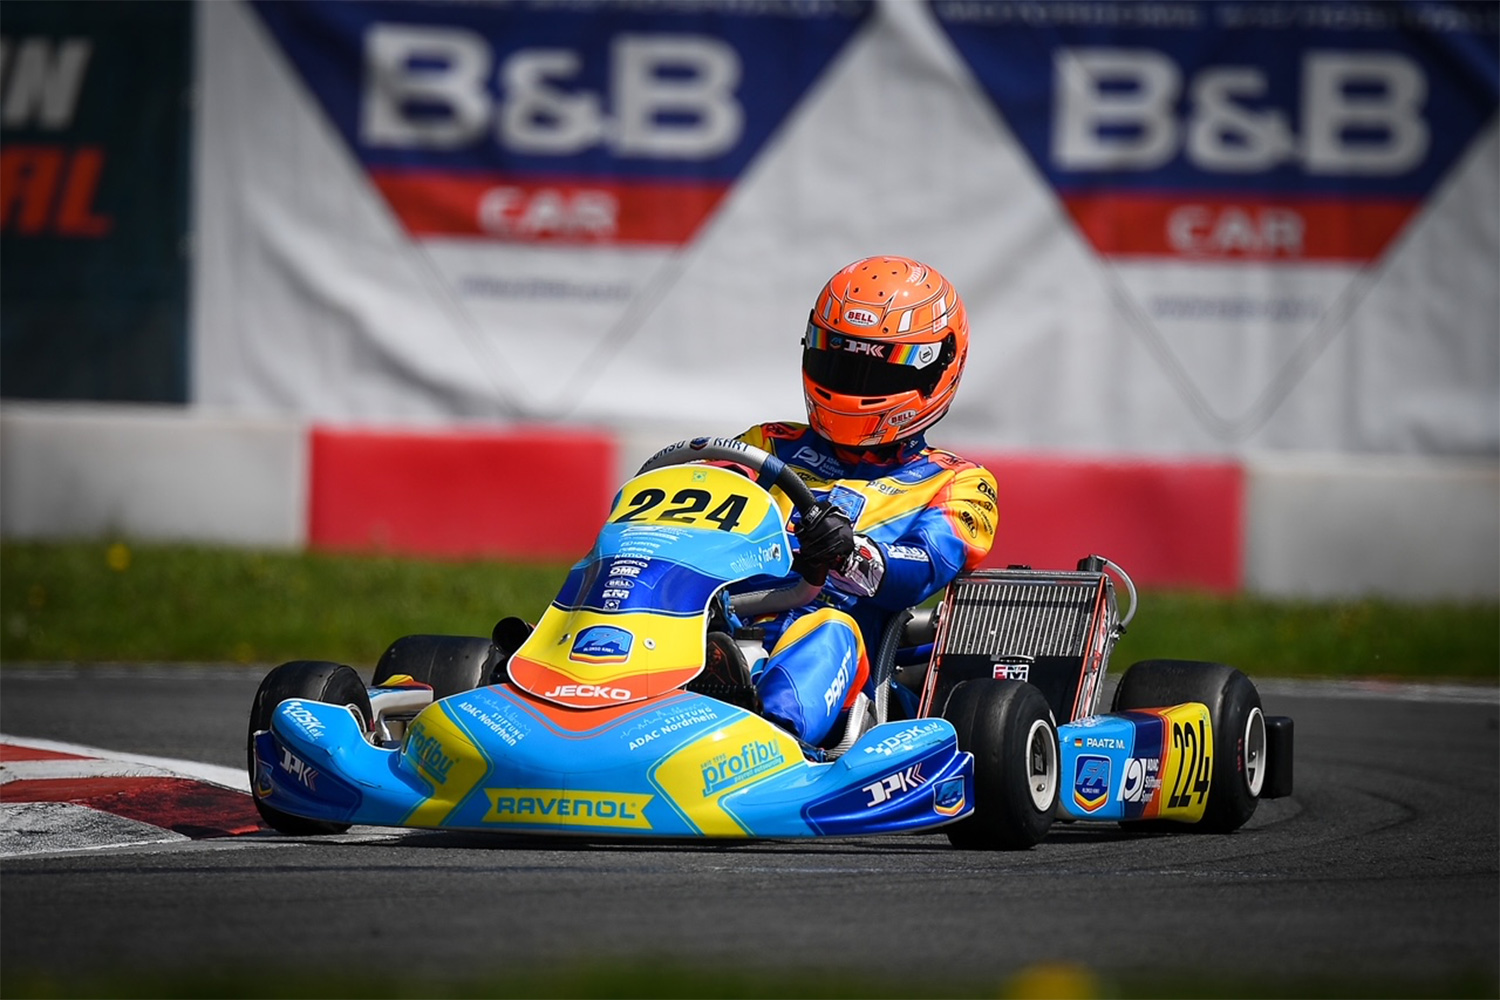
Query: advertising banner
x,y
93,200
1242,169
534,172
1182,229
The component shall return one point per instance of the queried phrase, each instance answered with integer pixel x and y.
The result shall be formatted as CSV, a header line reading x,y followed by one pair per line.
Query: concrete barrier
x,y
1315,526
1401,527
150,472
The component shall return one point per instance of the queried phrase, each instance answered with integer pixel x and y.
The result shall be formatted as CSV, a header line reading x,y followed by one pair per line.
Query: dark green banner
x,y
94,188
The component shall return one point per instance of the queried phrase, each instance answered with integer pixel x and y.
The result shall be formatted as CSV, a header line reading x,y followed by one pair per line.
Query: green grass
x,y
91,601
1366,639
666,978
95,601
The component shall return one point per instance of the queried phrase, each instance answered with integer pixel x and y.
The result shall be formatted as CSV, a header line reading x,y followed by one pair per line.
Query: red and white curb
x,y
58,797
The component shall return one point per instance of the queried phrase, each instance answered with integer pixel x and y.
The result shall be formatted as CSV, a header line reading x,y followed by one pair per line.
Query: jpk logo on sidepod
x,y
892,785
298,768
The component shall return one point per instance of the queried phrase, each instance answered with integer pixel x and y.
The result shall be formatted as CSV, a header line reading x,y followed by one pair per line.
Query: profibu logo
x,y
725,771
427,752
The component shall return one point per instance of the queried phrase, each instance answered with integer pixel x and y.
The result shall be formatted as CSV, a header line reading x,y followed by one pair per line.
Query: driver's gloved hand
x,y
825,539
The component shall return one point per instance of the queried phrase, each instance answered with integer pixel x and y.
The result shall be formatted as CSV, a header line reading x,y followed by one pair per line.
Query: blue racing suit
x,y
928,514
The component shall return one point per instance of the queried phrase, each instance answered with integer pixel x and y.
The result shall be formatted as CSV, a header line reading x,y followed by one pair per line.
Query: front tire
x,y
1008,727
312,680
450,664
1239,769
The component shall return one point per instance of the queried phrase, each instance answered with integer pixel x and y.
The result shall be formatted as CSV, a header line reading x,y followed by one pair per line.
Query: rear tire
x,y
312,680
451,664
1007,726
1239,768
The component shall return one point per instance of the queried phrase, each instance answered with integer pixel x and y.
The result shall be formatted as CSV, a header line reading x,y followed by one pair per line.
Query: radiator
x,y
1054,629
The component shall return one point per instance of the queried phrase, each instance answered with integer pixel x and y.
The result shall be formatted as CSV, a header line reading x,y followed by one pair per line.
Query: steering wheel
x,y
769,471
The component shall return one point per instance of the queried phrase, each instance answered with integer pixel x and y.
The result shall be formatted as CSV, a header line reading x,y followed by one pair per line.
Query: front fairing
x,y
629,622
680,766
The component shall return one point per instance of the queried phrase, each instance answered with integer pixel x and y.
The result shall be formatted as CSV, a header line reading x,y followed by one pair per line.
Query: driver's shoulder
x,y
954,463
778,437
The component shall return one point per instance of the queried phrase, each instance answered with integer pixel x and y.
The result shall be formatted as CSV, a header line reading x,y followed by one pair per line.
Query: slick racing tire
x,y
1239,767
1008,727
313,680
451,664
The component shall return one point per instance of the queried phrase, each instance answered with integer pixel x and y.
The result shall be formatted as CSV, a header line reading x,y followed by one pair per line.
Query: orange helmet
x,y
885,347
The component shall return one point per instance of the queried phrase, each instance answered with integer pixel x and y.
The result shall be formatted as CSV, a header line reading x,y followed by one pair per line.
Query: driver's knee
x,y
814,673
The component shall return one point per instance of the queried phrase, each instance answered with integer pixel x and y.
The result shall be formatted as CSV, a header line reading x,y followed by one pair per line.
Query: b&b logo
x,y
576,123
1225,133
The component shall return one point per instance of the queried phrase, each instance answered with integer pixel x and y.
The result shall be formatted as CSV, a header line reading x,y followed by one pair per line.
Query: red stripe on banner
x,y
498,207
526,494
1229,228
191,808
1166,524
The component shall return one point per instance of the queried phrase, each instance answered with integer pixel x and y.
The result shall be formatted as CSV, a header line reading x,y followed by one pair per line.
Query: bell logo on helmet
x,y
860,317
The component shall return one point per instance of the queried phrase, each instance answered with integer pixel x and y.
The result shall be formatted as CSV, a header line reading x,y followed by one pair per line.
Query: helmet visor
x,y
857,367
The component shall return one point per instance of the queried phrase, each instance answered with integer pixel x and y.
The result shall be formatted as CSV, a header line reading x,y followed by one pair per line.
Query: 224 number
x,y
688,507
1193,765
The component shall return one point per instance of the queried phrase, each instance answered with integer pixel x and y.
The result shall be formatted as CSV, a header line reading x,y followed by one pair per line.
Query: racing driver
x,y
896,519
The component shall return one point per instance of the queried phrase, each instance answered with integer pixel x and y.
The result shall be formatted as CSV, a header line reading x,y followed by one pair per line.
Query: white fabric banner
x,y
1175,236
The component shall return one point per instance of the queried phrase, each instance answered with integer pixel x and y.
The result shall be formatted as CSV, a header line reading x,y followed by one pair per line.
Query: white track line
x,y
215,774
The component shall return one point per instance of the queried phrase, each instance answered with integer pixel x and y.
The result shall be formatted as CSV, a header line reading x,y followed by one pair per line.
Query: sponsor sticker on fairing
x,y
567,807
726,770
905,740
428,753
949,799
299,769
304,717
603,643
1091,777
893,785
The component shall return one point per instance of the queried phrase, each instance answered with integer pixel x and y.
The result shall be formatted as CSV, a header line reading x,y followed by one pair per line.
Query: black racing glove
x,y
825,538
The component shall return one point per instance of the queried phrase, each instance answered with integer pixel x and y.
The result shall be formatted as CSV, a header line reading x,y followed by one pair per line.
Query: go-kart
x,y
629,709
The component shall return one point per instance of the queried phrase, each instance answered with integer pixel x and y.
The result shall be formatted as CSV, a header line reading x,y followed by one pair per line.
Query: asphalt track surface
x,y
1382,869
